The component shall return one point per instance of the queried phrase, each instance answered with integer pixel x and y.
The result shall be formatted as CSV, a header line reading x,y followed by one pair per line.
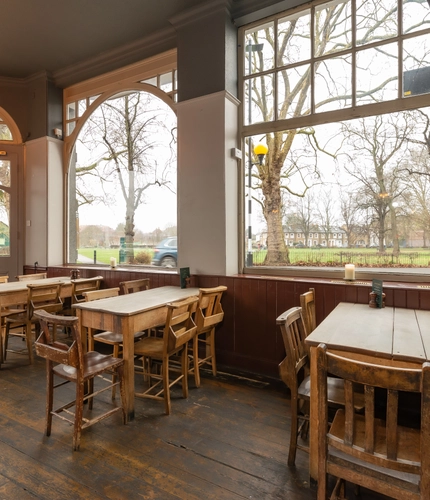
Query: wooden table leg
x,y
313,438
128,355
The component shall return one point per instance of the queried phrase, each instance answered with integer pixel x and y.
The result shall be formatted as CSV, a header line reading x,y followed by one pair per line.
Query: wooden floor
x,y
229,440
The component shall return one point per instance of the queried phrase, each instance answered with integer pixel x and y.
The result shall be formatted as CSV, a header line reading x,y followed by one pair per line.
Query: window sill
x,y
411,275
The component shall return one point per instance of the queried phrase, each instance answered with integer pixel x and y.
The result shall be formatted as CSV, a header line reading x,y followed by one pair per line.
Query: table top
x,y
390,332
134,303
15,286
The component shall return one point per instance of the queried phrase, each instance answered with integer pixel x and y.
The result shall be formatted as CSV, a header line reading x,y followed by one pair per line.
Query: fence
x,y
337,258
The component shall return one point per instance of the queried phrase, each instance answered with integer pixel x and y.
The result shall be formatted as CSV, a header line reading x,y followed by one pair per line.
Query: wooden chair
x,y
31,277
72,365
47,297
208,315
105,337
134,285
373,451
294,371
82,285
178,331
307,303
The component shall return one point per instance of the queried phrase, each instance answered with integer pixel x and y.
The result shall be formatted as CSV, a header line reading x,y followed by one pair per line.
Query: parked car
x,y
166,253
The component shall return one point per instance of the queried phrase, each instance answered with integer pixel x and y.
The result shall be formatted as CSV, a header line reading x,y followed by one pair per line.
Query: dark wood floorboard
x,y
227,441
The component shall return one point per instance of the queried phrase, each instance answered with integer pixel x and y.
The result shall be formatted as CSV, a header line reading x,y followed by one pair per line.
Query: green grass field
x,y
103,255
336,257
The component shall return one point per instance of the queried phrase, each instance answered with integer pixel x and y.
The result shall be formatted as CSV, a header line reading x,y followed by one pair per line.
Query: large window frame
x,y
156,75
251,127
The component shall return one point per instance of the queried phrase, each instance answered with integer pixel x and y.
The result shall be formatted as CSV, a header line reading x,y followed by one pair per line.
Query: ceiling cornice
x,y
121,56
197,14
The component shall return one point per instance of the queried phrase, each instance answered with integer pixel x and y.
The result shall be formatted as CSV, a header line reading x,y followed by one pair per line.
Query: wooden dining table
x,y
16,293
128,314
390,336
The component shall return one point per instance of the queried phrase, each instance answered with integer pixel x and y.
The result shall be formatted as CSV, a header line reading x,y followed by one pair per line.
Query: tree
x,y
131,144
326,213
374,162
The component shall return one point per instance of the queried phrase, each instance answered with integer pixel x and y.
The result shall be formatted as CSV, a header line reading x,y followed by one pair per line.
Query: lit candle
x,y
349,272
112,262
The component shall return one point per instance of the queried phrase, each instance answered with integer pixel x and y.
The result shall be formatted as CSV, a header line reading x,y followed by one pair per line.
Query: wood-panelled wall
x,y
248,339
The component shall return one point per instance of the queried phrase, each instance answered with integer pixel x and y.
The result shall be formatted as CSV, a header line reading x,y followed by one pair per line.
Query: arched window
x,y
121,143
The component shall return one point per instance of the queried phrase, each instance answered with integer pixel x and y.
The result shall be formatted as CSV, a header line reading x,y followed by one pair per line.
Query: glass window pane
x,y
82,106
71,110
294,41
4,221
377,74
259,49
70,127
151,81
416,16
376,20
92,99
5,173
5,133
166,82
261,107
332,27
333,88
416,66
294,92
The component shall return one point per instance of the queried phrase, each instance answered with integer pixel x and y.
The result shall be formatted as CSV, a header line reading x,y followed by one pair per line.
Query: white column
x,y
208,184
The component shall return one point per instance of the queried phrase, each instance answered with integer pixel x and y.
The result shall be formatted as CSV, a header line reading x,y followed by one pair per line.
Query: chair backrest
x,y
46,297
134,285
209,310
307,303
180,326
4,279
377,440
58,352
31,277
293,334
101,294
82,285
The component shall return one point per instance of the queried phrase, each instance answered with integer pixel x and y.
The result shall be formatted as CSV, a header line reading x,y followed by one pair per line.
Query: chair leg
x,y
165,370
79,411
114,376
6,339
120,374
196,360
28,339
184,364
212,350
49,395
294,429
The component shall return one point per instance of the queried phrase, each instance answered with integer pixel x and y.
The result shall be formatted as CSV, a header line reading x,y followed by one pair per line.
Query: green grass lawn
x,y
103,255
333,257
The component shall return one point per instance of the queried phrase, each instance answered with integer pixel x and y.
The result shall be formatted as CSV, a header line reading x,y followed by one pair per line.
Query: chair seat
x,y
8,311
114,338
94,363
335,393
19,317
151,347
